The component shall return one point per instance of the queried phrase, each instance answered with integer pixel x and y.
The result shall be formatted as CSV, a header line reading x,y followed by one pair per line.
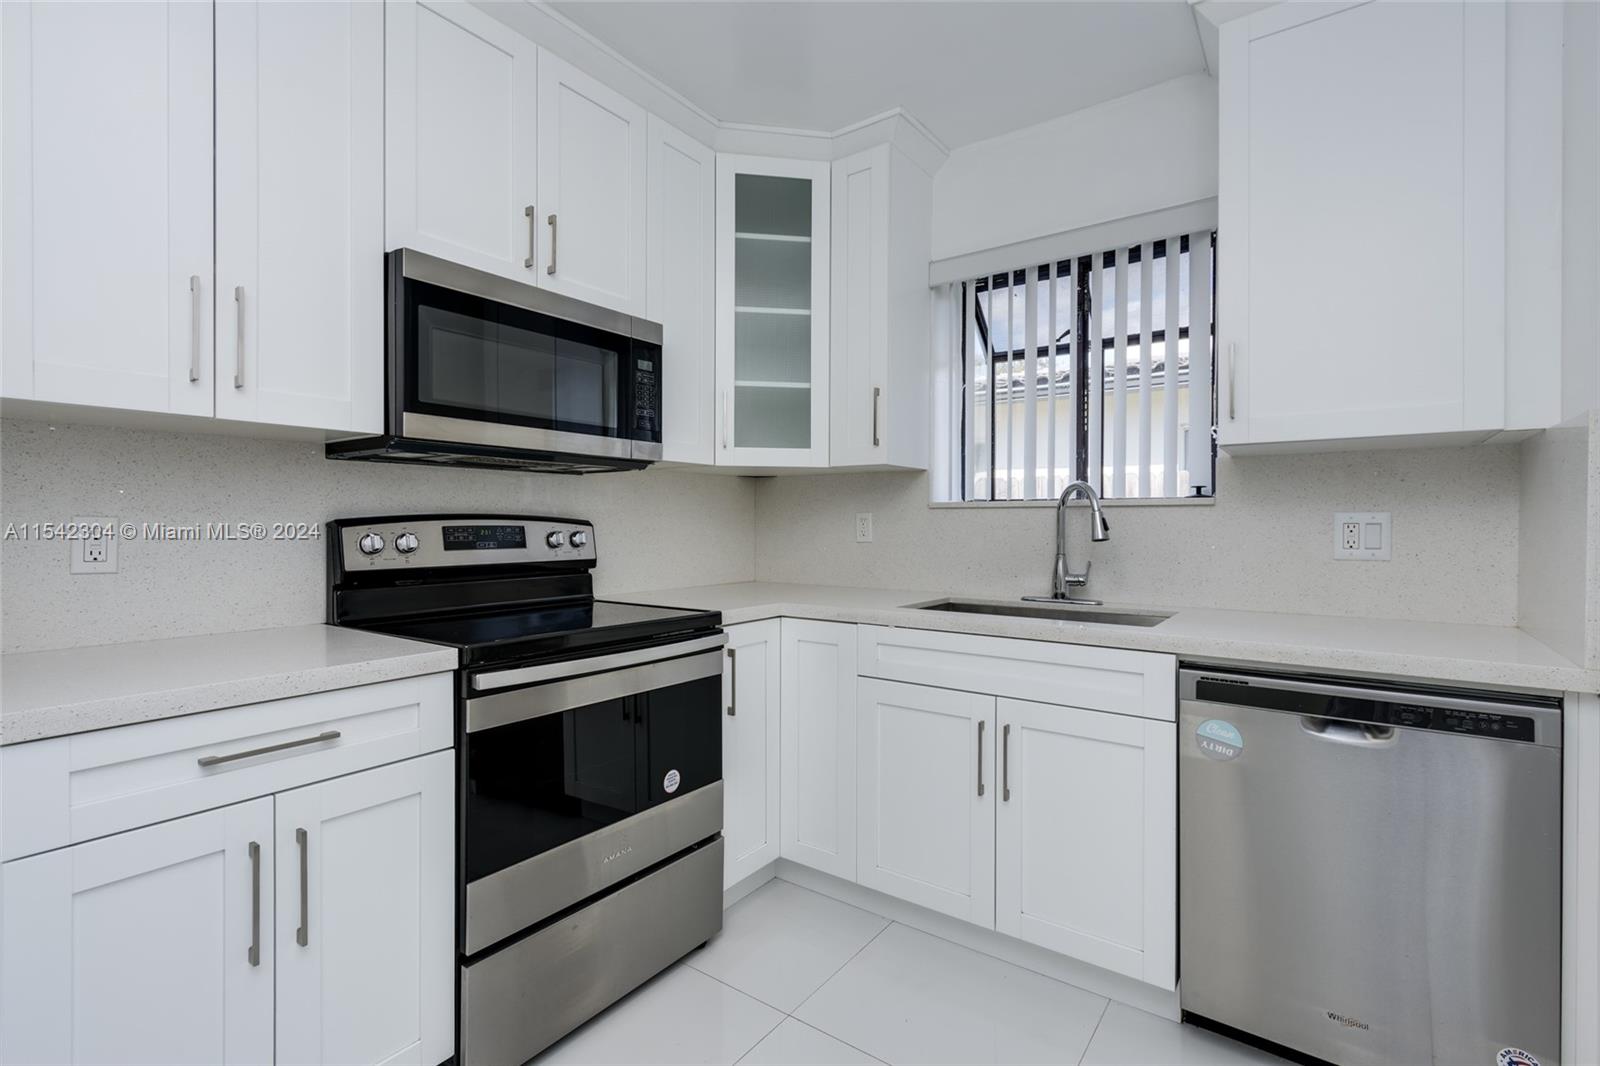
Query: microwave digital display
x,y
481,538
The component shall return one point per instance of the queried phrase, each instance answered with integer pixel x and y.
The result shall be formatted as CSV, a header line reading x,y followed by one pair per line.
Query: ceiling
x,y
968,70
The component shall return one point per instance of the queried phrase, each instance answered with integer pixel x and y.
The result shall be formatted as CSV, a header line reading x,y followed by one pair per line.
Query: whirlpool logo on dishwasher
x,y
1218,739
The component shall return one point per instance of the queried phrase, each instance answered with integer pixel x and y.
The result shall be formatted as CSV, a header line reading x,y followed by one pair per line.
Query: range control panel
x,y
390,543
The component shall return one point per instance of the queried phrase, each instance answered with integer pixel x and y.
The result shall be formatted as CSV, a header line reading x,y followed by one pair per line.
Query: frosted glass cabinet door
x,y
107,134
153,945
772,311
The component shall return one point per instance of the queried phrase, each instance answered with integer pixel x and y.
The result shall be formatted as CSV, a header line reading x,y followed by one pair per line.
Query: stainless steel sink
x,y
1064,613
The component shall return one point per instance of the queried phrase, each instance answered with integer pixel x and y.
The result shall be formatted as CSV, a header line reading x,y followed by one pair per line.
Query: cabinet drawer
x,y
69,789
1096,679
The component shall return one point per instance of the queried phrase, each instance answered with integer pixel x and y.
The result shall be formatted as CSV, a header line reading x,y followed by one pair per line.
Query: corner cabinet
x,y
1362,223
750,749
882,209
773,234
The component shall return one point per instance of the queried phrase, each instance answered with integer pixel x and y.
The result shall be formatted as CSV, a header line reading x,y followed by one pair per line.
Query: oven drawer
x,y
522,999
75,788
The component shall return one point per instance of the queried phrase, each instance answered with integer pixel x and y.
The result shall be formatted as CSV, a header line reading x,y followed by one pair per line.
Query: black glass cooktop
x,y
536,632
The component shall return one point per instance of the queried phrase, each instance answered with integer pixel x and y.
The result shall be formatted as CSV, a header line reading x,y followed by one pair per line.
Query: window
x,y
1135,325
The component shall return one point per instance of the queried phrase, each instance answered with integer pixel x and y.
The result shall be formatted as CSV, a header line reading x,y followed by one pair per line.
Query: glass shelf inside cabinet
x,y
772,312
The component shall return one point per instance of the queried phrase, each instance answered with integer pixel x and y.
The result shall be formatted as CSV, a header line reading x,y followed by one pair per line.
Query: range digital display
x,y
484,538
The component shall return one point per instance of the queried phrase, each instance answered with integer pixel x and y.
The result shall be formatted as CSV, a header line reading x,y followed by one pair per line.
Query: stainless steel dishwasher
x,y
1370,874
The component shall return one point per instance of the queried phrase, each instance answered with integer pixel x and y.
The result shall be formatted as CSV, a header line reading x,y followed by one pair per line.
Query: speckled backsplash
x,y
654,529
1266,544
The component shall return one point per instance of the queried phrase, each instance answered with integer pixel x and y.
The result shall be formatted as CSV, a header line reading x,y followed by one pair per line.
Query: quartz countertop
x,y
1496,656
73,690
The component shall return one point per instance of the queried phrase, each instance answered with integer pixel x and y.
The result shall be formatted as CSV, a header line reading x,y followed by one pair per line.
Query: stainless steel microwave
x,y
485,371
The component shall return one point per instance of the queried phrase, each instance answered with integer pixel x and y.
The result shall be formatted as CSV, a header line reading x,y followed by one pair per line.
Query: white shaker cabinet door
x,y
750,749
300,214
461,118
1087,837
152,946
592,196
366,916
818,725
107,155
682,290
925,796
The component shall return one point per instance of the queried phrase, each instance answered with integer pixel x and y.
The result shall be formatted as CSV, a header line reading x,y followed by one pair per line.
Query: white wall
x,y
1149,150
653,528
1265,545
1558,578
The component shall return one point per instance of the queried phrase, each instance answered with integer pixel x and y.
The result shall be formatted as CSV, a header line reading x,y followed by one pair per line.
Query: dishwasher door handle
x,y
1359,734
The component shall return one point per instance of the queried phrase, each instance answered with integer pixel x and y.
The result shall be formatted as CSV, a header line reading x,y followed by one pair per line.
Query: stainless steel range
x,y
589,763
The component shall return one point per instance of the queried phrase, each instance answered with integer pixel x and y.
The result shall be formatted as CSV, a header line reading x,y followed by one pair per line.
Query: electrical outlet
x,y
93,554
1362,535
864,527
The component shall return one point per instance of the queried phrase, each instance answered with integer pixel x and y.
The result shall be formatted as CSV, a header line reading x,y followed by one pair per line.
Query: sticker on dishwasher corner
x,y
1513,1056
671,782
1218,739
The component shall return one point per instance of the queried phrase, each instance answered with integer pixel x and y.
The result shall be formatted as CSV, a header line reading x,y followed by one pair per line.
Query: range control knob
x,y
555,538
370,543
579,538
405,543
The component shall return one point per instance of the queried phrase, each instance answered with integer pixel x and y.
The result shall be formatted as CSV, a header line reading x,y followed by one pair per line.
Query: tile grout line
x,y
830,1036
1104,1010
887,924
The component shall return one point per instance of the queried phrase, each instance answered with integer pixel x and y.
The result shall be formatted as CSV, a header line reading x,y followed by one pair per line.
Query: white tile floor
x,y
797,977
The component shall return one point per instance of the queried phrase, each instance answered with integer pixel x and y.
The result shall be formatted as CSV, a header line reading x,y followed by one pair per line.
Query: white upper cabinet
x,y
460,171
592,189
107,158
773,231
1361,273
682,290
881,221
149,946
299,293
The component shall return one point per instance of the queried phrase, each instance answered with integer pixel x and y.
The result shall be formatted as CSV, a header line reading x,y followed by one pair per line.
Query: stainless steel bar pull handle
x,y
302,935
981,724
533,235
320,738
876,394
254,954
194,327
1005,763
1233,376
733,682
551,269
238,352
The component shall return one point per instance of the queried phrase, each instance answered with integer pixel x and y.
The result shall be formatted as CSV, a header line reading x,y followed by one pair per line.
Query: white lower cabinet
x,y
925,796
150,946
818,807
750,749
366,916
1086,837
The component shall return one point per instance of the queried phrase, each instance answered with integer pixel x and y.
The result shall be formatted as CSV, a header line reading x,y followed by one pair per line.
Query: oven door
x,y
481,360
573,785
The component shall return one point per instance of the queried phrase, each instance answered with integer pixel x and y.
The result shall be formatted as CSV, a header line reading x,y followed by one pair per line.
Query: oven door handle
x,y
567,693
594,664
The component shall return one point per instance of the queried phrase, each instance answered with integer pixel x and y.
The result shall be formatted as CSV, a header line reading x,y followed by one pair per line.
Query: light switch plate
x,y
1362,535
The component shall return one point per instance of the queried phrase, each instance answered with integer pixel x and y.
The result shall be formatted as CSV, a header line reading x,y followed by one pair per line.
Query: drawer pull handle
x,y
254,954
320,738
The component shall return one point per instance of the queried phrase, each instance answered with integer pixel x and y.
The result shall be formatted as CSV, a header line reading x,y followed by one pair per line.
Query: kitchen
x,y
966,713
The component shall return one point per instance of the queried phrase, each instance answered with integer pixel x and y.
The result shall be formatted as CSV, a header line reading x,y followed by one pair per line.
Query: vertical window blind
x,y
1095,367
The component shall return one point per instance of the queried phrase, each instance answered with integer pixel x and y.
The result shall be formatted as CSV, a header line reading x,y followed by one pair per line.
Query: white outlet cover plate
x,y
864,527
77,560
1377,543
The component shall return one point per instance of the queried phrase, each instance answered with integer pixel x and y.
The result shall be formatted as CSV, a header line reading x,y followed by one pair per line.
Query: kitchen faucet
x,y
1064,579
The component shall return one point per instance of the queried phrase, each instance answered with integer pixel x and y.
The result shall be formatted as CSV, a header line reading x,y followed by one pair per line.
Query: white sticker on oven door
x,y
1513,1056
671,782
